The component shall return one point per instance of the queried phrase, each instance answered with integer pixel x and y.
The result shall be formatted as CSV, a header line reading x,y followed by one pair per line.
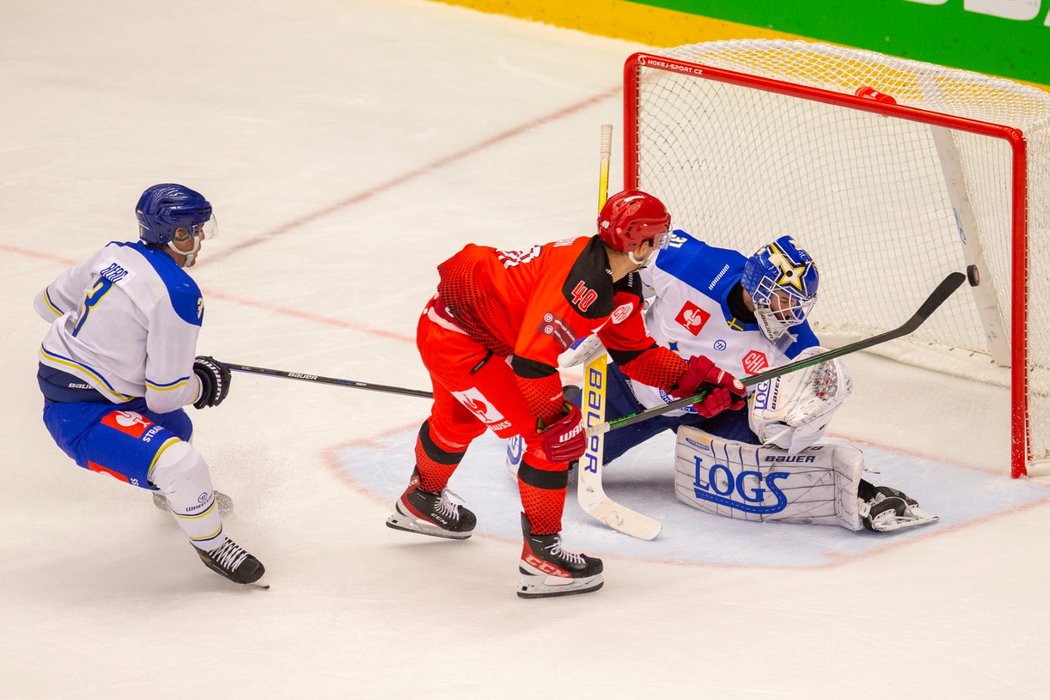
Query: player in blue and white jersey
x,y
747,314
757,460
118,364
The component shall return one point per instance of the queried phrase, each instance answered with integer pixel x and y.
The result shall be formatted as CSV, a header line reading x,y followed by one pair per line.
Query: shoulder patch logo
x,y
692,318
621,312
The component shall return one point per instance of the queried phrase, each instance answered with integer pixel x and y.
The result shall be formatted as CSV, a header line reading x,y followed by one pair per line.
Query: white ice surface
x,y
349,147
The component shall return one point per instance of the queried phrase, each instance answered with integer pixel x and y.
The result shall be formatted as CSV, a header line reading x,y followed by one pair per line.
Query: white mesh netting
x,y
881,202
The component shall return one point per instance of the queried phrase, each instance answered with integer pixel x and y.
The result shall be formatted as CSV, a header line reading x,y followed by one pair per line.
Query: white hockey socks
x,y
182,476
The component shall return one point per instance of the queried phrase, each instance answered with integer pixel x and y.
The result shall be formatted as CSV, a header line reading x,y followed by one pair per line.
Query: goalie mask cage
x,y
891,172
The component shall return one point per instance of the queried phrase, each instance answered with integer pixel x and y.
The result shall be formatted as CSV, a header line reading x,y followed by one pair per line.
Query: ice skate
x,y
223,502
429,513
890,509
233,562
547,570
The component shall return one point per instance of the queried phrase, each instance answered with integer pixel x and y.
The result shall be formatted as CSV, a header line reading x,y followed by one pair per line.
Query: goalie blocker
x,y
819,485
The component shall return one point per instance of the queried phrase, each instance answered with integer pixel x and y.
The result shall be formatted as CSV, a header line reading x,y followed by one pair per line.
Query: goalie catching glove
x,y
792,411
214,379
724,391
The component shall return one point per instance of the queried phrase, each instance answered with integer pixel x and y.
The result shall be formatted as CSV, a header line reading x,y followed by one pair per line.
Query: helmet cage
x,y
782,280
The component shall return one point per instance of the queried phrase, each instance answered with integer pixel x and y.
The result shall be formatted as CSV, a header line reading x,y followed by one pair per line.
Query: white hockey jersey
x,y
688,287
125,321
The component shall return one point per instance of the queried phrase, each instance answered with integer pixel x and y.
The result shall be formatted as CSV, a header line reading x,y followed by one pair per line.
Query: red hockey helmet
x,y
630,218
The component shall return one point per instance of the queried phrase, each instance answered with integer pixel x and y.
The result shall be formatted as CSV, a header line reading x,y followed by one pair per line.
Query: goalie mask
x,y
781,279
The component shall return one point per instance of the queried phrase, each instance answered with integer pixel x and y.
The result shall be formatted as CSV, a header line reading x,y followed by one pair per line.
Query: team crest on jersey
x,y
621,312
754,362
692,317
476,403
129,422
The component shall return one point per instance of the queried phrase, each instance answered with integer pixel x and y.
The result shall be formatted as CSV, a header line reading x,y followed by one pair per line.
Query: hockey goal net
x,y
891,172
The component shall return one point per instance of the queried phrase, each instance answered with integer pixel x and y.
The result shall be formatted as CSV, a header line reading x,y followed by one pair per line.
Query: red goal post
x,y
892,172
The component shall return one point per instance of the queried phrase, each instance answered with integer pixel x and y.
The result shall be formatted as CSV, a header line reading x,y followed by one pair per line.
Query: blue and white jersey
x,y
125,321
688,286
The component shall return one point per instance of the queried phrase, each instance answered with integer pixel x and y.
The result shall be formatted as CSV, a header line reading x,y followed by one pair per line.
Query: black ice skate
x,y
429,513
887,509
547,570
234,563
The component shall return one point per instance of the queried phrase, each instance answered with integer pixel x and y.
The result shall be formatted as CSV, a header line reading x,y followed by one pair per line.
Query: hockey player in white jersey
x,y
759,461
118,364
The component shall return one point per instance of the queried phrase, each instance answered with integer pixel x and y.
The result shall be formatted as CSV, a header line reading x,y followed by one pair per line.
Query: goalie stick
x,y
303,376
589,490
944,290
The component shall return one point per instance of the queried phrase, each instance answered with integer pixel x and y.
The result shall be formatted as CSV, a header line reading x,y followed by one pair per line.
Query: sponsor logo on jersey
x,y
513,258
692,318
621,312
754,362
555,327
128,422
476,403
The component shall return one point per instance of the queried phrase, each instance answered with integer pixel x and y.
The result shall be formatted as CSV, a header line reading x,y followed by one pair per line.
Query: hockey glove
x,y
565,440
215,381
724,391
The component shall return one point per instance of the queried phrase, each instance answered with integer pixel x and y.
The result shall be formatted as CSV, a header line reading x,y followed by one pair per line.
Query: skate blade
x,y
553,587
409,524
894,526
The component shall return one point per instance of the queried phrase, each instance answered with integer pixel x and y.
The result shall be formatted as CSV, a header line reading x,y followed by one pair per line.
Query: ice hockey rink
x,y
348,147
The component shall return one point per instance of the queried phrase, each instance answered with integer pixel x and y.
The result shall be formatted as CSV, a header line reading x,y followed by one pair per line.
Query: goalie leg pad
x,y
753,482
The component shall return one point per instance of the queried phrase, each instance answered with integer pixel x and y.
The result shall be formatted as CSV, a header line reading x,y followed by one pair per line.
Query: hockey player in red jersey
x,y
490,339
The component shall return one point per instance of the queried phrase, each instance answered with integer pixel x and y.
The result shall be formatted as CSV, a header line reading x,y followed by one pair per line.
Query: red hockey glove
x,y
725,392
565,440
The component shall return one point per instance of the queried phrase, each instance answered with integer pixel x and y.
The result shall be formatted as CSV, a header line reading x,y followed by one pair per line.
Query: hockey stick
x,y
328,380
944,290
589,490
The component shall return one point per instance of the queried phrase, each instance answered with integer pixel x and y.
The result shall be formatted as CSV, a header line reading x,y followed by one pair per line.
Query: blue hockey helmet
x,y
164,209
781,279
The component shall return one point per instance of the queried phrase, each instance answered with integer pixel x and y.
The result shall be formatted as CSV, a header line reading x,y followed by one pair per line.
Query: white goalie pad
x,y
818,485
793,410
581,352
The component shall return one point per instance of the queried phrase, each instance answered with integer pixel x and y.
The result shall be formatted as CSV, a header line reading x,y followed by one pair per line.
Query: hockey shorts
x,y
122,440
